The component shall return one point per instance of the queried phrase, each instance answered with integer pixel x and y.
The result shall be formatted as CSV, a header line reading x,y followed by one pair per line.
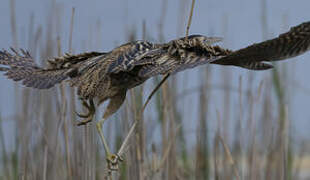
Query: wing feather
x,y
287,45
126,61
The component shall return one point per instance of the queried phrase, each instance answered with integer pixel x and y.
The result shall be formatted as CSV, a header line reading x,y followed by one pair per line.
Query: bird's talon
x,y
82,115
89,116
83,122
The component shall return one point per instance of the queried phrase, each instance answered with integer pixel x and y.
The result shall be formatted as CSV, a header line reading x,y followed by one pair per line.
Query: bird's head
x,y
196,40
189,42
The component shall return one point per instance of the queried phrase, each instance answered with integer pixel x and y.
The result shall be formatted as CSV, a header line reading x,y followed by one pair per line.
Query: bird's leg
x,y
114,104
112,159
91,112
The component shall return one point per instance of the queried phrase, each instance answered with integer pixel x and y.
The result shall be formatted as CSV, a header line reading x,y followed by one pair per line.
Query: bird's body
x,y
108,75
102,76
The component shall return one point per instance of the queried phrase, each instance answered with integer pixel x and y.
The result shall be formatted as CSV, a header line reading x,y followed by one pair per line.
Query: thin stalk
x,y
167,75
190,18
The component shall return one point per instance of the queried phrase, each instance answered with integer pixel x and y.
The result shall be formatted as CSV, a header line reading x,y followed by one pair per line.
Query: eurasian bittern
x,y
101,76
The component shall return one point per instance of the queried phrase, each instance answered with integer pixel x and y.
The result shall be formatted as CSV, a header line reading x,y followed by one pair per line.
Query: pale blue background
x,y
243,27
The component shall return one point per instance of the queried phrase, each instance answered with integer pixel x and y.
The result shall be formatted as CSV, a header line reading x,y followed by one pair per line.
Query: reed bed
x,y
215,130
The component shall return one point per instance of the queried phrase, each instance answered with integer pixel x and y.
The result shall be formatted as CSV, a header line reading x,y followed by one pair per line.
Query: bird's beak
x,y
212,40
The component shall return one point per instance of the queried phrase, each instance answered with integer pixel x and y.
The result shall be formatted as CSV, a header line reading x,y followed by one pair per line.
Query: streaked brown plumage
x,y
103,76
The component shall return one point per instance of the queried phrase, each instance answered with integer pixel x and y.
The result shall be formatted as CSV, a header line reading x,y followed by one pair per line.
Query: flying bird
x,y
102,76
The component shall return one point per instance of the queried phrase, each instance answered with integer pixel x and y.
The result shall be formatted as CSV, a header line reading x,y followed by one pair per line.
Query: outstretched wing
x,y
287,45
181,54
21,67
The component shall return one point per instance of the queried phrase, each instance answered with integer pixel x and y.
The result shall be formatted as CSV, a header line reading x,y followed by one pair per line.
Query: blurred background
x,y
210,122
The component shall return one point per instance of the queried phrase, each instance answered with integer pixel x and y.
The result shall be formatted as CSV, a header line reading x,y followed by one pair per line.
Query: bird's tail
x,y
21,67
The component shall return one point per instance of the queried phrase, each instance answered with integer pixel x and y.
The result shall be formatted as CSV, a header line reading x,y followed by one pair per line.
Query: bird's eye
x,y
205,41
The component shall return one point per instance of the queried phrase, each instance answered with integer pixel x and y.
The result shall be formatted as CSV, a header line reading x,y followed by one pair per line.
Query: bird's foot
x,y
90,115
113,161
85,120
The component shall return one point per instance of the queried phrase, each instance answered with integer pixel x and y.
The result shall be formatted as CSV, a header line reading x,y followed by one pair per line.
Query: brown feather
x,y
109,75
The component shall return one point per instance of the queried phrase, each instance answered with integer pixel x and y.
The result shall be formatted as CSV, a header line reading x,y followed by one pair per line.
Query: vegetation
x,y
47,144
